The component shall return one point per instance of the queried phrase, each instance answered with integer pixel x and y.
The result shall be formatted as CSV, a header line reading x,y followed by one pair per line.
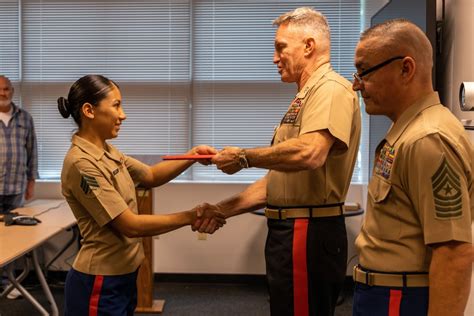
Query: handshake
x,y
207,218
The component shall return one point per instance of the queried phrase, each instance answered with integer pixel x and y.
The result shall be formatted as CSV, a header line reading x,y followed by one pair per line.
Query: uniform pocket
x,y
382,218
286,131
379,189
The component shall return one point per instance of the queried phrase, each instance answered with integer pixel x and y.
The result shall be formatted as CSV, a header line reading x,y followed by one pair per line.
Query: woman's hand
x,y
203,150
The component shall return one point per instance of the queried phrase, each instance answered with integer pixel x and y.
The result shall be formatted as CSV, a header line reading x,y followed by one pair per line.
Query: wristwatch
x,y
243,162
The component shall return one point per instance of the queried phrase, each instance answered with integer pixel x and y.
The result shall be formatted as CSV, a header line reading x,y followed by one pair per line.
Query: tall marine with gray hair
x,y
310,163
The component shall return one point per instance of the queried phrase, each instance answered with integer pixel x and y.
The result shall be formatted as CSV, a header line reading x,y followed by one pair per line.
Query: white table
x,y
20,241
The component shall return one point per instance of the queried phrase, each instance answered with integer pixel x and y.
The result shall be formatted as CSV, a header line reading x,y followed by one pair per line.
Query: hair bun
x,y
63,105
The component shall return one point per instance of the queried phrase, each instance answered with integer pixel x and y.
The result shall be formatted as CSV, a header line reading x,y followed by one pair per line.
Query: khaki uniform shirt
x,y
327,101
99,185
421,191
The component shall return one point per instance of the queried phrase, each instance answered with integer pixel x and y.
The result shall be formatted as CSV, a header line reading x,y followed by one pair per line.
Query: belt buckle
x,y
369,278
282,214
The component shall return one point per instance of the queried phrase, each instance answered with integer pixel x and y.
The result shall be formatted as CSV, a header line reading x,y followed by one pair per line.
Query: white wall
x,y
237,248
458,66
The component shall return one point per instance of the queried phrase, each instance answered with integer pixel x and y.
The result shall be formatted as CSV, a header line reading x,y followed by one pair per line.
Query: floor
x,y
185,295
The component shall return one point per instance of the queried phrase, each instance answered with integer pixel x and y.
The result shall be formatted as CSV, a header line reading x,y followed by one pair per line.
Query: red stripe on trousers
x,y
300,270
94,301
395,300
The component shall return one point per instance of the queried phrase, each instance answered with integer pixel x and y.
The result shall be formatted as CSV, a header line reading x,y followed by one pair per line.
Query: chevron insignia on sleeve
x,y
447,192
88,183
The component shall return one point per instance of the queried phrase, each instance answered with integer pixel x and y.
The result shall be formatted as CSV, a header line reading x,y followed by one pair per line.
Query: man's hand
x,y
203,150
228,160
208,218
30,189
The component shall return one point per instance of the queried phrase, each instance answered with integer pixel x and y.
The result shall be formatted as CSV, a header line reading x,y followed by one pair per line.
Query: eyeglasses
x,y
358,76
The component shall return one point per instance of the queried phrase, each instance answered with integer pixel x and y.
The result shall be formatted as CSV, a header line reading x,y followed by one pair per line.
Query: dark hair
x,y
88,89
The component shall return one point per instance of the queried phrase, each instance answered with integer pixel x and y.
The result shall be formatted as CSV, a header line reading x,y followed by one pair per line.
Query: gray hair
x,y
312,21
7,79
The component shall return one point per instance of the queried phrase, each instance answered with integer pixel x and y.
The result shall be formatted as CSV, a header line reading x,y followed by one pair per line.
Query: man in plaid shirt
x,y
18,152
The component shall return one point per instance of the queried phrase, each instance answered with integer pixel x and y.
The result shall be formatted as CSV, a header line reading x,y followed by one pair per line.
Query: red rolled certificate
x,y
187,157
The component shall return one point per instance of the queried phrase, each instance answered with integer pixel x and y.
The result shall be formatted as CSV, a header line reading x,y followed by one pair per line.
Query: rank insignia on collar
x,y
293,111
447,192
88,183
384,162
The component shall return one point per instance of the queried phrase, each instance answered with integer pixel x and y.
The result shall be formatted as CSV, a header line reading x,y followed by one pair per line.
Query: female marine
x,y
98,182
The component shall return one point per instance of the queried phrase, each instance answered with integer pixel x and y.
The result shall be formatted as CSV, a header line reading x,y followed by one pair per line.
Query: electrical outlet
x,y
202,236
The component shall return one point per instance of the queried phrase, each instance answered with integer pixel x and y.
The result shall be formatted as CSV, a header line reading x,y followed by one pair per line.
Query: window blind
x,y
142,45
125,40
190,72
9,40
238,98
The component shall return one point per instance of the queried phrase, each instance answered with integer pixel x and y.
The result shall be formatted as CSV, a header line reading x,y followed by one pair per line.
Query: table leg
x,y
44,284
19,279
23,291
